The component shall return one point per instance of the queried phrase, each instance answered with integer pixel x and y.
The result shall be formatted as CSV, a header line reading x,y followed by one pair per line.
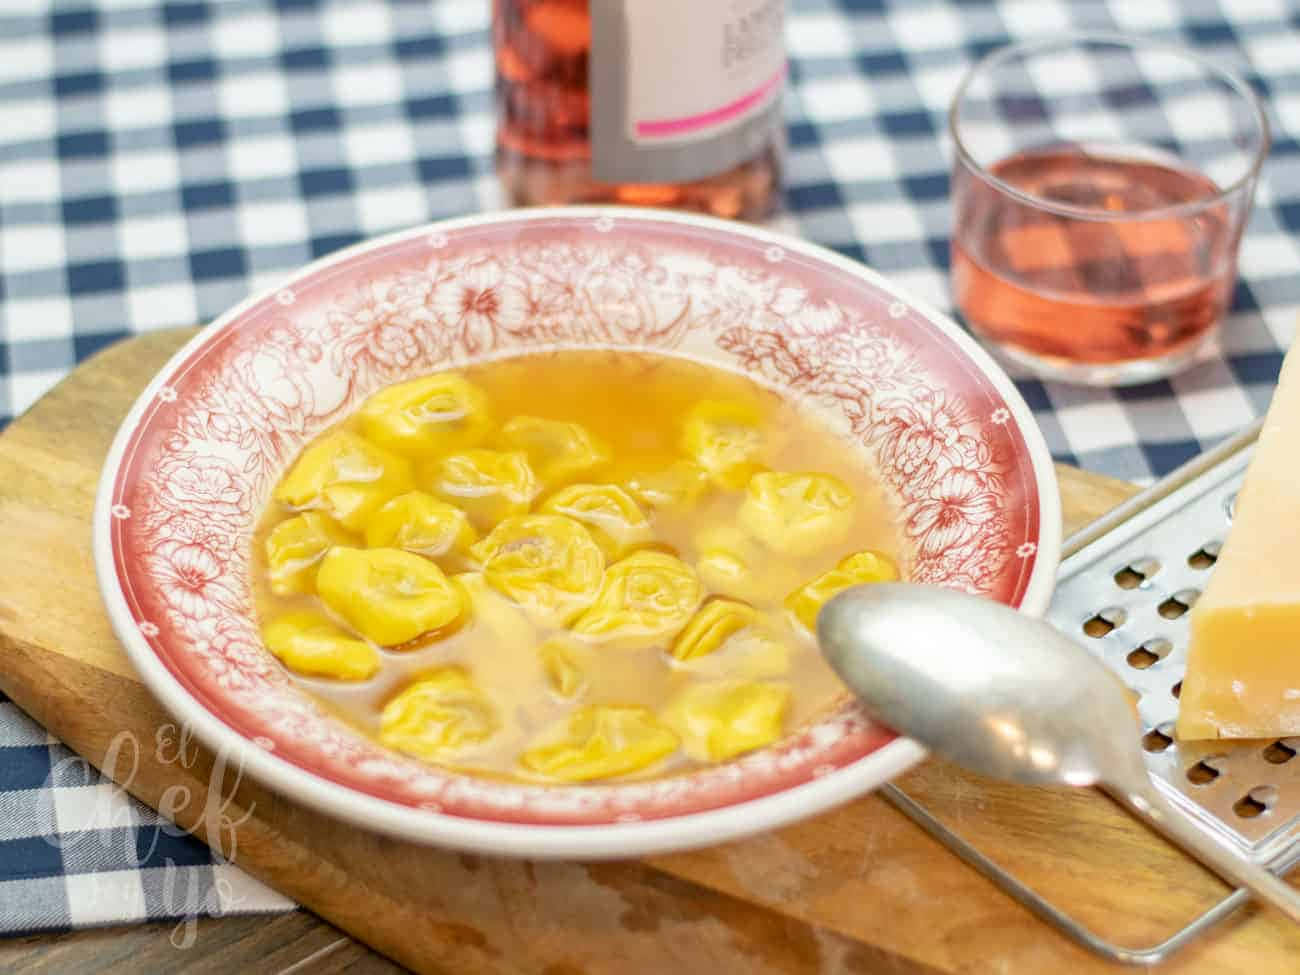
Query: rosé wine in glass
x,y
1083,257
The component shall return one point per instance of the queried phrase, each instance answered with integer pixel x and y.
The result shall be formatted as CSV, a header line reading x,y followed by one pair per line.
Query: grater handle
x,y
1143,800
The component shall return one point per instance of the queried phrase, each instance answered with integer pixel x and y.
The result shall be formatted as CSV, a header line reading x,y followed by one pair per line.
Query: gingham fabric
x,y
77,851
158,162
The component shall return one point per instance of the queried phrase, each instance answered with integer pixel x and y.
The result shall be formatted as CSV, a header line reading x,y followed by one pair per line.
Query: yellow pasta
x,y
721,720
295,547
346,477
576,566
726,440
387,595
308,643
559,452
643,601
488,485
429,416
562,661
797,514
717,621
678,485
420,523
733,563
547,564
855,570
439,715
599,743
607,511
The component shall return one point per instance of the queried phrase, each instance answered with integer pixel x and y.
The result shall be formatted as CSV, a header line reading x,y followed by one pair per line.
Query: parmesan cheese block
x,y
1243,663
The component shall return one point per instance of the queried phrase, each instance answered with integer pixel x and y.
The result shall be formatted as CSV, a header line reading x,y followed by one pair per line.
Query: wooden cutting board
x,y
858,889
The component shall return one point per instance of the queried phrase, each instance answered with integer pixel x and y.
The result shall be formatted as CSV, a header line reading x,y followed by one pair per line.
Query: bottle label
x,y
682,89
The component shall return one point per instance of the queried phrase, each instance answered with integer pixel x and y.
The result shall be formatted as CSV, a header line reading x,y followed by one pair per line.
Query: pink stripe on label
x,y
691,123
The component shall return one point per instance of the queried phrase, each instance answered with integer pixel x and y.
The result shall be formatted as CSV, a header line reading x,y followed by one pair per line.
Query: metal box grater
x,y
1123,592
1132,589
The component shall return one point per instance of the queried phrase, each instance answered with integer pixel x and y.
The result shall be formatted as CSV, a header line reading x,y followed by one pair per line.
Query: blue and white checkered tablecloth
x,y
160,161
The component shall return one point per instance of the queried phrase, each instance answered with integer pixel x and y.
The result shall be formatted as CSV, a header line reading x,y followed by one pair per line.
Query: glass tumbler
x,y
1100,187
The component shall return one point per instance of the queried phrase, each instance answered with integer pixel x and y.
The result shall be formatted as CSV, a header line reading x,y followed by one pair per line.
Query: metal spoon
x,y
1008,696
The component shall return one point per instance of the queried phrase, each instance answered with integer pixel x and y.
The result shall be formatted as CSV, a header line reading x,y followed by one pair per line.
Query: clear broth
x,y
636,402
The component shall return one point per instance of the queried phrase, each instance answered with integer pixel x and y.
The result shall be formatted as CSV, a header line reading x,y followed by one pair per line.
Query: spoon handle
x,y
1143,800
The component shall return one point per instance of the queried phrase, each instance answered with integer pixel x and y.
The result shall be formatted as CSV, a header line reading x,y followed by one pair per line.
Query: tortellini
x,y
644,600
732,563
387,595
720,720
308,643
548,564
711,627
856,569
497,570
295,547
346,477
488,485
559,452
599,742
429,416
562,663
439,715
731,639
726,440
421,523
797,514
615,522
494,613
679,485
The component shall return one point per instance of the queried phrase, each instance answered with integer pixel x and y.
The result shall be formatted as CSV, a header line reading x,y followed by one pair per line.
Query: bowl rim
x,y
586,841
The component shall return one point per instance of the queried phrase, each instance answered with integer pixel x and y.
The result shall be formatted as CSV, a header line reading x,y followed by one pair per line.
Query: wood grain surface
x,y
858,889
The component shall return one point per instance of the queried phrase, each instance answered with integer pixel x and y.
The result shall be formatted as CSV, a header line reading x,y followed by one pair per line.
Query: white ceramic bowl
x,y
196,458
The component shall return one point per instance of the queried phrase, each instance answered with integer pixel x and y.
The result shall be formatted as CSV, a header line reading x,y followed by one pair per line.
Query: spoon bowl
x,y
956,672
1008,696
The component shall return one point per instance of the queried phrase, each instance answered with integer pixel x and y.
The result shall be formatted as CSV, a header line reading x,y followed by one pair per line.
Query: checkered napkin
x,y
160,161
77,851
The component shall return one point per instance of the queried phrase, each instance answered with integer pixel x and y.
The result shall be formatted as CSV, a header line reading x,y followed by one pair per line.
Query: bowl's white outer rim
x,y
576,841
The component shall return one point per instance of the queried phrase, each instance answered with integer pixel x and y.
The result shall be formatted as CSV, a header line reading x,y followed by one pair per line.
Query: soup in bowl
x,y
510,533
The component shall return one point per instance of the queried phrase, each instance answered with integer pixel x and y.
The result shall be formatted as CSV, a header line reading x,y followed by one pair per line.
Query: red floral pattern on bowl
x,y
196,460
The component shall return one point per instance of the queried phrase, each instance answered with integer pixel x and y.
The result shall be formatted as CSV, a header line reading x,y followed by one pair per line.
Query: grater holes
x,y
1205,771
1205,556
1189,540
1149,653
1129,578
1136,573
1178,604
1142,658
1158,738
1177,690
1104,622
1256,802
1279,753
1230,506
1248,808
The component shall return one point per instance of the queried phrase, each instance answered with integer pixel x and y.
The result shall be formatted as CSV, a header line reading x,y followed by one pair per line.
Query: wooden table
x,y
857,889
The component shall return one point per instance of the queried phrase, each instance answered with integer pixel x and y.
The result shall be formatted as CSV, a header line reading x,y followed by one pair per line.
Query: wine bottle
x,y
672,103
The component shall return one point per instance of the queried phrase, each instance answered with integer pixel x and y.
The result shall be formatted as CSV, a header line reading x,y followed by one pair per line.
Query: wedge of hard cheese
x,y
1243,662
